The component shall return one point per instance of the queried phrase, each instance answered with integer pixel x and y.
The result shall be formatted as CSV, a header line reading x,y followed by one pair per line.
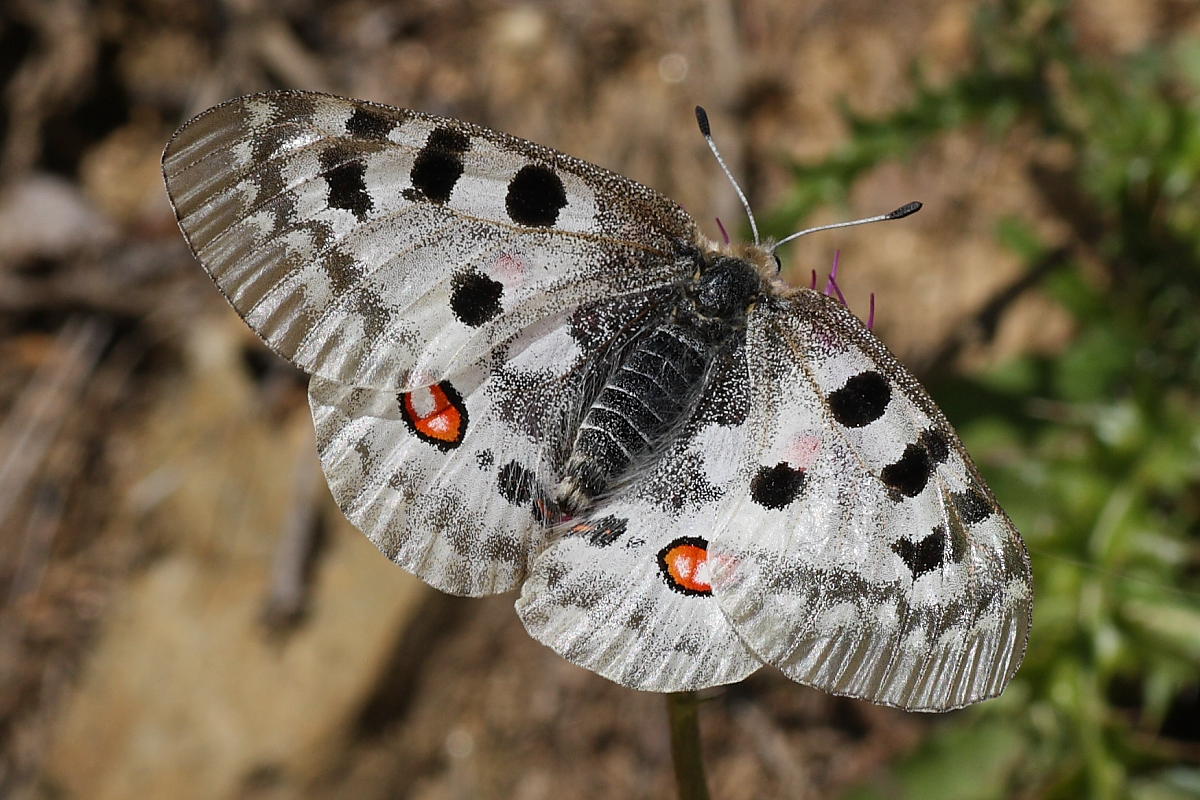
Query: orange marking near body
x,y
684,563
436,412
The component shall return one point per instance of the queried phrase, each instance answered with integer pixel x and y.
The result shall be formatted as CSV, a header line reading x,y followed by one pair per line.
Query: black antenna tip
x,y
702,119
905,210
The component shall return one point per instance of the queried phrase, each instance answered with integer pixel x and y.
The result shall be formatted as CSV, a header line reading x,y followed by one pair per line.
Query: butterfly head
x,y
763,255
724,287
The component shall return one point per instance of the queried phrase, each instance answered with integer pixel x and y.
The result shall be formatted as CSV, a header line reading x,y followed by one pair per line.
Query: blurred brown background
x,y
184,614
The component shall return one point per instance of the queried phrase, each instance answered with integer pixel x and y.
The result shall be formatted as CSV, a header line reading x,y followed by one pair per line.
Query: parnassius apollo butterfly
x,y
528,371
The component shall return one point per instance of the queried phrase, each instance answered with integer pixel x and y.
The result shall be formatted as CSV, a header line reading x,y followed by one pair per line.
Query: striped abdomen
x,y
656,384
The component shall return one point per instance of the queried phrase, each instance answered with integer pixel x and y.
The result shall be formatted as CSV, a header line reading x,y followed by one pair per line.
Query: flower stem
x,y
683,714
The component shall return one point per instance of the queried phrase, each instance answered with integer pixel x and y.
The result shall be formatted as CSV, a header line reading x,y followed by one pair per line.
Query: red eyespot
x,y
684,566
436,414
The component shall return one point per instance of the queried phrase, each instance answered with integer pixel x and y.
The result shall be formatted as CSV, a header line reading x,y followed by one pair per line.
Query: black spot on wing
x,y
270,189
909,474
267,142
972,506
1015,559
475,298
366,123
290,105
924,556
936,444
602,532
535,196
448,140
677,484
777,486
346,179
861,400
343,270
516,483
285,115
438,166
485,459
960,540
345,275
373,311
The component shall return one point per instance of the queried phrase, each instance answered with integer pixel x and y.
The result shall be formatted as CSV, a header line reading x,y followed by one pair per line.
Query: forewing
x,y
868,557
381,247
623,591
451,480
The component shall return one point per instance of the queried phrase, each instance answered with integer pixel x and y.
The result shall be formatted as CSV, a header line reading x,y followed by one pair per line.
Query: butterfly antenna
x,y
706,131
899,213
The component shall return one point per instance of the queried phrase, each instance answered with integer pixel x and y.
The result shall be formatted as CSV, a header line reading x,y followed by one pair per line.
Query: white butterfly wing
x,y
624,590
442,518
451,480
382,247
867,557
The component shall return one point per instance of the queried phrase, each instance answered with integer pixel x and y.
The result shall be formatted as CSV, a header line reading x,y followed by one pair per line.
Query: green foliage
x,y
1096,450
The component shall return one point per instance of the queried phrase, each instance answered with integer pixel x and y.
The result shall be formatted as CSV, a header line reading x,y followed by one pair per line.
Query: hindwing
x,y
454,481
624,590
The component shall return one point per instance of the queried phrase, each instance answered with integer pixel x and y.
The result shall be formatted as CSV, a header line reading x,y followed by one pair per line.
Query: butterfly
x,y
530,372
